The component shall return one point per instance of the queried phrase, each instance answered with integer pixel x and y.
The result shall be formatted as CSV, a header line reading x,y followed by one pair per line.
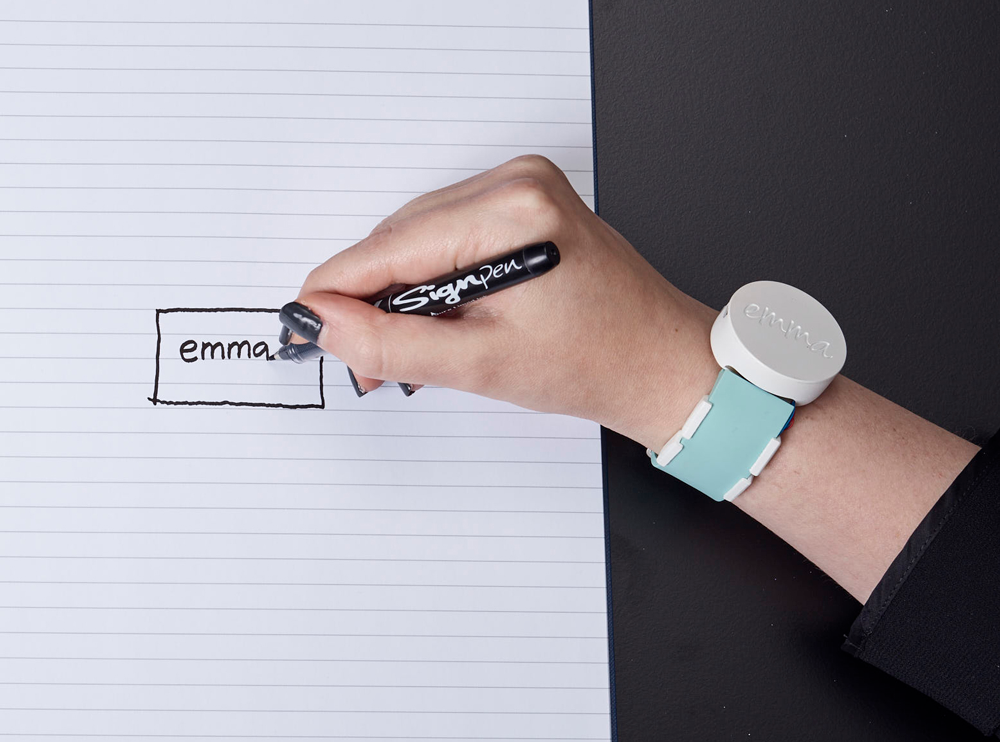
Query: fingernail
x,y
407,388
285,335
301,321
354,382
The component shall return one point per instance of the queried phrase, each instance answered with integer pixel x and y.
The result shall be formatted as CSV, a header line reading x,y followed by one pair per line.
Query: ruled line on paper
x,y
291,584
319,685
296,559
186,237
310,484
256,164
308,609
202,188
301,533
378,636
288,118
177,383
305,711
303,141
181,213
284,93
301,458
250,409
302,46
139,260
151,285
291,23
293,509
352,434
292,70
464,738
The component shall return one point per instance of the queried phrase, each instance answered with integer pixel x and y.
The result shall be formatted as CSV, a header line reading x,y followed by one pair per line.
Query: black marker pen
x,y
468,284
297,352
435,297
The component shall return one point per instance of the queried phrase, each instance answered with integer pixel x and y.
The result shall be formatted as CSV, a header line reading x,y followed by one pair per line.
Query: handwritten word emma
x,y
219,351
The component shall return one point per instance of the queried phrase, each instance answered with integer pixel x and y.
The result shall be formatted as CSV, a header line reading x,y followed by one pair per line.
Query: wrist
x,y
855,476
679,370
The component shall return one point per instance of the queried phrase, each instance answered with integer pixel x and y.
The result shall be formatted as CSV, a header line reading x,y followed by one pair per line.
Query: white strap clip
x,y
674,446
758,466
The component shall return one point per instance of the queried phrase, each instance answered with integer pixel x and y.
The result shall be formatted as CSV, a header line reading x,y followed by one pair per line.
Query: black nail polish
x,y
285,335
354,382
301,321
407,388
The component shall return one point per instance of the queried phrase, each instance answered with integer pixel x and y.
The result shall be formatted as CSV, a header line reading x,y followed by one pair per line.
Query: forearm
x,y
608,338
854,476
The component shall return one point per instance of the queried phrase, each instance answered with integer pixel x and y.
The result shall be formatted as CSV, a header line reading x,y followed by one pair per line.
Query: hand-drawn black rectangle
x,y
214,353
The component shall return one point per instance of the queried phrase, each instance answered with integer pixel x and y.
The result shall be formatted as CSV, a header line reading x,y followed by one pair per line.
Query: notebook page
x,y
169,173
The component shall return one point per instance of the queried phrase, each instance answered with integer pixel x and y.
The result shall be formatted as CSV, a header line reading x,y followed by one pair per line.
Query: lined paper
x,y
438,570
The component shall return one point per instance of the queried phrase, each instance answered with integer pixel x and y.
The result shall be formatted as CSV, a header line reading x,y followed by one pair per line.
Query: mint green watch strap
x,y
719,452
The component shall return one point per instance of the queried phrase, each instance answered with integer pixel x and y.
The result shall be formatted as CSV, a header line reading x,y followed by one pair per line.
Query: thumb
x,y
401,347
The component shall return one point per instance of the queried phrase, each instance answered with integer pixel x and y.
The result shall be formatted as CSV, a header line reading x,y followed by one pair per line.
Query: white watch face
x,y
781,339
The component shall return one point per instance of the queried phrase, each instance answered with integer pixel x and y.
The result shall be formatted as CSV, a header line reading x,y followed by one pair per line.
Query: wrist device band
x,y
778,348
738,427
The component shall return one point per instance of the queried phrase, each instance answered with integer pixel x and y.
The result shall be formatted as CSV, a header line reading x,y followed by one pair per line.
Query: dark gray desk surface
x,y
850,148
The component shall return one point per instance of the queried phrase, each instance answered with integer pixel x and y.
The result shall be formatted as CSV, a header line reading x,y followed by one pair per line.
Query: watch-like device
x,y
778,347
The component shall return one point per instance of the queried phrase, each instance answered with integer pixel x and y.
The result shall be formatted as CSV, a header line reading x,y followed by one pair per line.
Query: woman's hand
x,y
604,336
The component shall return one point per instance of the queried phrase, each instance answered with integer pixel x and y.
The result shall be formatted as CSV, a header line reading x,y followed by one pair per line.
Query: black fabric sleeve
x,y
933,621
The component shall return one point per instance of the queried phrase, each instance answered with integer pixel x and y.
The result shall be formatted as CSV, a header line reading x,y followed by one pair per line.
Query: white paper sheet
x,y
439,570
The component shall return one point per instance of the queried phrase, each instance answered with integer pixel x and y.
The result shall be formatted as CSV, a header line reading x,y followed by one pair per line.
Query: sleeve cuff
x,y
933,621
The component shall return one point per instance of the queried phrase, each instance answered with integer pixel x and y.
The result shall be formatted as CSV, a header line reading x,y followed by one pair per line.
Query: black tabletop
x,y
851,149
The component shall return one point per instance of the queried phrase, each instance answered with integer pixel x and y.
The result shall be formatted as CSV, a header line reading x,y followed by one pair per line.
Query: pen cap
x,y
540,258
780,339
